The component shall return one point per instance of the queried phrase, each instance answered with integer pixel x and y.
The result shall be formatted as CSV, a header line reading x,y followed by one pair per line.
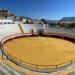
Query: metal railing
x,y
30,66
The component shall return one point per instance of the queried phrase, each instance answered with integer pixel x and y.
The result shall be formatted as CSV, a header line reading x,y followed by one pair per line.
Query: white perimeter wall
x,y
35,27
6,20
8,29
47,29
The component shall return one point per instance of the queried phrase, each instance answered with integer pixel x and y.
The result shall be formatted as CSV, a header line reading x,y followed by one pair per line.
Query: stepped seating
x,y
8,29
28,72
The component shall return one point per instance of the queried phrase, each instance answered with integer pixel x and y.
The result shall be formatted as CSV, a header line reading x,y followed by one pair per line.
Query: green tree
x,y
43,21
53,24
72,25
27,22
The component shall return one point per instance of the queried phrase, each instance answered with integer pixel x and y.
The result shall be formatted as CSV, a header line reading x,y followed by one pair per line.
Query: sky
x,y
37,9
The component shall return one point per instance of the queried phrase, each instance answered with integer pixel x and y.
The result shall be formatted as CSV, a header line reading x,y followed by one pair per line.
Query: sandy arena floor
x,y
41,50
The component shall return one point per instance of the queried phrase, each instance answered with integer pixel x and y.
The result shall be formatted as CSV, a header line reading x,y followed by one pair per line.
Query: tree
x,y
27,22
43,21
72,25
21,18
53,24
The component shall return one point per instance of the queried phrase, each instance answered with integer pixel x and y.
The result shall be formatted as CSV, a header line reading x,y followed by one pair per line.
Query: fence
x,y
27,65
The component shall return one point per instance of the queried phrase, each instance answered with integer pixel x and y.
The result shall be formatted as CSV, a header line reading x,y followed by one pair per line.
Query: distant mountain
x,y
68,19
52,21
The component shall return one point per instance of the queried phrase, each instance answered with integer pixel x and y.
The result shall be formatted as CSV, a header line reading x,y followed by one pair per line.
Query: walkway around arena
x,y
5,65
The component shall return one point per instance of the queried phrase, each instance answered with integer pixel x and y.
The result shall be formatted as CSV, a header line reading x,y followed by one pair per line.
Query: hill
x,y
68,19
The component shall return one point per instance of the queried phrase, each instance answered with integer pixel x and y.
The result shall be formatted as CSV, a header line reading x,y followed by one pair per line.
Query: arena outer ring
x,y
35,67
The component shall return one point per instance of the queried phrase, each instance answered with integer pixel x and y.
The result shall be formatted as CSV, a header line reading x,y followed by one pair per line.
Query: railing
x,y
30,66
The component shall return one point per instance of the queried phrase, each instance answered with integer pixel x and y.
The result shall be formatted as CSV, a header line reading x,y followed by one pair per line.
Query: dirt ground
x,y
41,50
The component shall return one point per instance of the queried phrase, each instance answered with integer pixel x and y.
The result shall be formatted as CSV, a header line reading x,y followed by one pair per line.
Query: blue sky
x,y
48,9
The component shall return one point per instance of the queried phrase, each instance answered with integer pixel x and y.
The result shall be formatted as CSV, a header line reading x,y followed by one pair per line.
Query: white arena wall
x,y
26,28
35,27
11,29
8,29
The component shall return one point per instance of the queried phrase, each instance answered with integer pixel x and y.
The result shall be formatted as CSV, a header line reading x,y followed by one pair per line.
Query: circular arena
x,y
40,53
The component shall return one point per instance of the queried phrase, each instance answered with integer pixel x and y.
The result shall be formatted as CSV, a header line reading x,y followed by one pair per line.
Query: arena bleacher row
x,y
10,29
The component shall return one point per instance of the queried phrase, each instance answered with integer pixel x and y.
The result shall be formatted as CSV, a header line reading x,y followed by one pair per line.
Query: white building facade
x,y
6,21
